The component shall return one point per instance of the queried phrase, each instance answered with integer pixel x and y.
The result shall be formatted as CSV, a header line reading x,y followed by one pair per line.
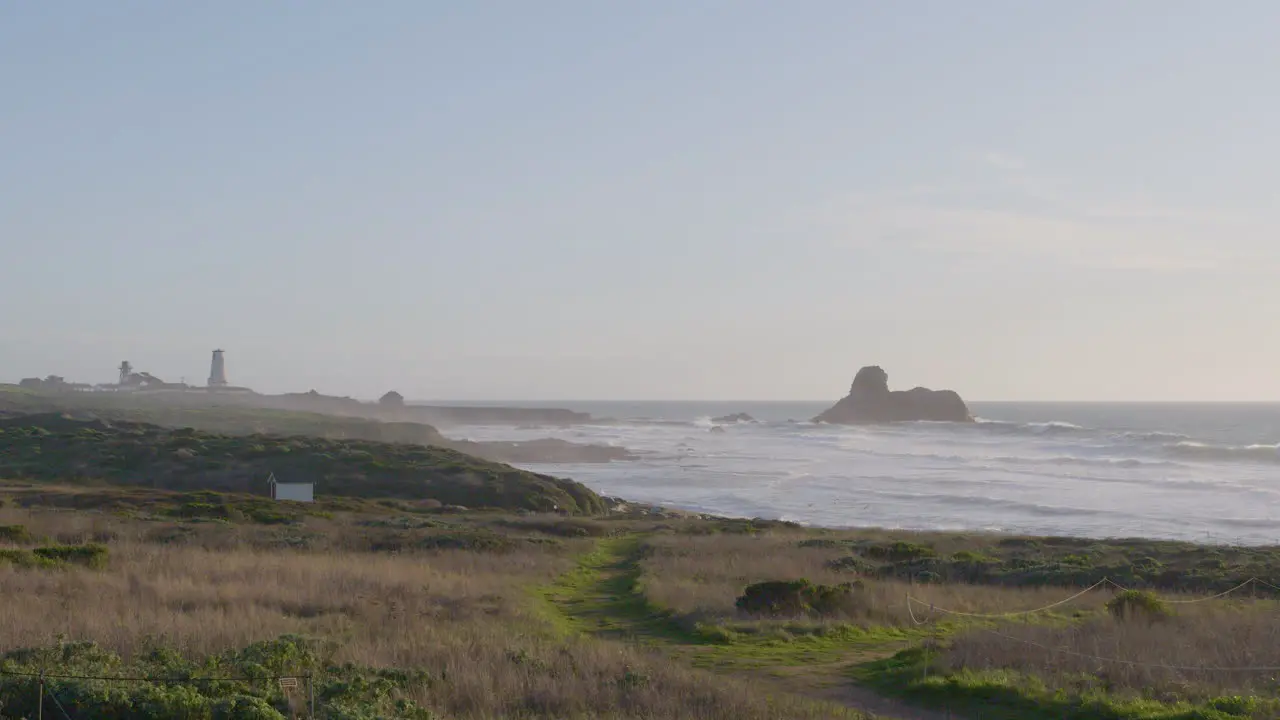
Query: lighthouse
x,y
217,371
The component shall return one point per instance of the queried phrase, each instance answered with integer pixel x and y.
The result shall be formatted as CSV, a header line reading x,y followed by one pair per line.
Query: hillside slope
x,y
231,418
56,448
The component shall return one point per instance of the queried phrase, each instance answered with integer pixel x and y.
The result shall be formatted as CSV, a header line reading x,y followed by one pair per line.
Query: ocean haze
x,y
1017,201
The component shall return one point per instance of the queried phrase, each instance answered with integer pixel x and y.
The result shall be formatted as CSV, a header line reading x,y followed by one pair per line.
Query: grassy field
x,y
443,630
969,645
403,609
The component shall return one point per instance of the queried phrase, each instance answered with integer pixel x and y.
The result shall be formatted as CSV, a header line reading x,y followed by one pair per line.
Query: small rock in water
x,y
735,418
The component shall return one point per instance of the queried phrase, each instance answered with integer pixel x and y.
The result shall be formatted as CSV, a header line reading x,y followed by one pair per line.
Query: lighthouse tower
x,y
217,371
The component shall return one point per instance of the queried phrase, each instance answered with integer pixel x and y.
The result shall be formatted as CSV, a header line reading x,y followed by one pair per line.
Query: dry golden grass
x,y
702,576
467,618
1203,650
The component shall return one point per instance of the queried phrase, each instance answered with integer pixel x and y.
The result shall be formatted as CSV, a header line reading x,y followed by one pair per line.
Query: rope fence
x,y
1135,663
1100,658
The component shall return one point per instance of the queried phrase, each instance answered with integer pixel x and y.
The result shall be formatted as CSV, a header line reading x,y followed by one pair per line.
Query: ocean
x,y
1206,472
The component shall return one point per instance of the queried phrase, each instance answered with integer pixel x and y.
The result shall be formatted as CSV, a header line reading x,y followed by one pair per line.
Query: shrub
x,y
268,516
14,534
203,510
91,556
971,557
25,559
825,543
783,598
900,551
571,527
1244,706
475,540
851,563
1138,604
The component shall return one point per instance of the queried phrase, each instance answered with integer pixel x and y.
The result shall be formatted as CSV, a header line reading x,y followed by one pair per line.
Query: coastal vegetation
x,y
52,448
155,577
225,417
391,607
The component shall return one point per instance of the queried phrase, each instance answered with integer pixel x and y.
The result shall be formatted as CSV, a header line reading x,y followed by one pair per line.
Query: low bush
x,y
15,534
25,559
851,564
899,551
1138,605
195,510
474,540
345,691
791,598
91,556
567,527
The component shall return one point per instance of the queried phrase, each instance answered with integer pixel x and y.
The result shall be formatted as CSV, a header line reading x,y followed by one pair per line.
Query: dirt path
x,y
600,597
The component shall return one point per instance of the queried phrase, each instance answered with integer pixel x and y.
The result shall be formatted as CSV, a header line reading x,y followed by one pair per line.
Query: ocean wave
x,y
1061,427
1228,453
1086,461
1050,427
1154,436
988,502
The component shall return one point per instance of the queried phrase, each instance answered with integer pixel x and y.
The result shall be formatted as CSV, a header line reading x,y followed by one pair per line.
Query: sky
x,y
670,199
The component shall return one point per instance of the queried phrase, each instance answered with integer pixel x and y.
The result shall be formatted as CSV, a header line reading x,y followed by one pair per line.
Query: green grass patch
x,y
26,560
15,534
914,675
602,596
92,555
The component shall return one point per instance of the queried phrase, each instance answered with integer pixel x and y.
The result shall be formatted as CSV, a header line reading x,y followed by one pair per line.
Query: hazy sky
x,y
664,199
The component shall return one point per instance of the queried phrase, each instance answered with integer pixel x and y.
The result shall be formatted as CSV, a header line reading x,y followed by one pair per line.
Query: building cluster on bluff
x,y
131,380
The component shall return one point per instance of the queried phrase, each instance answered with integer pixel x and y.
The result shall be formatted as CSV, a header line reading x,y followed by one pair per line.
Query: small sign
x,y
288,682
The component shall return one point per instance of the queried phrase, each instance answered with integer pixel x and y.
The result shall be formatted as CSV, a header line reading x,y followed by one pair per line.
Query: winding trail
x,y
602,597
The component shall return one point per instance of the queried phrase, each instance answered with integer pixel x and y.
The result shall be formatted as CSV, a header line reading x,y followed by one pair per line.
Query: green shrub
x,y
1138,604
1244,706
194,510
789,598
266,516
971,557
851,563
473,540
14,534
25,559
345,692
899,551
91,555
568,527
826,543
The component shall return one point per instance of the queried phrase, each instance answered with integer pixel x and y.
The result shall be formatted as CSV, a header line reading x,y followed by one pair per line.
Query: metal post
x,y
40,704
311,697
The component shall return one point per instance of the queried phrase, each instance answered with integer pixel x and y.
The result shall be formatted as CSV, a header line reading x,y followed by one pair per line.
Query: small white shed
x,y
300,492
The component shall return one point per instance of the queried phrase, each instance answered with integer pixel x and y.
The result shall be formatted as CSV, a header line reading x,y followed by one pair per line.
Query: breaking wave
x,y
1228,453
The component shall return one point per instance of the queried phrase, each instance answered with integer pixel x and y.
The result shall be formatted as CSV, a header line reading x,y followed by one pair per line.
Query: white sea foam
x,y
1055,477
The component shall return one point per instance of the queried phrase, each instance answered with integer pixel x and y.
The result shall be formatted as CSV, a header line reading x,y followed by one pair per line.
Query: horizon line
x,y
780,402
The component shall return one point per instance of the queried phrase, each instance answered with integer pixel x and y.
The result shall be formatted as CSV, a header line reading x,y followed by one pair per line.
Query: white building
x,y
300,492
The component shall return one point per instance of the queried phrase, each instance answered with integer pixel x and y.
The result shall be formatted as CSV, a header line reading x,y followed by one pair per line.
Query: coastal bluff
x,y
870,401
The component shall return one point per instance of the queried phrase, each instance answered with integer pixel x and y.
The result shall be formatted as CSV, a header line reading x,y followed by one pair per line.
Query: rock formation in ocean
x,y
870,401
735,418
